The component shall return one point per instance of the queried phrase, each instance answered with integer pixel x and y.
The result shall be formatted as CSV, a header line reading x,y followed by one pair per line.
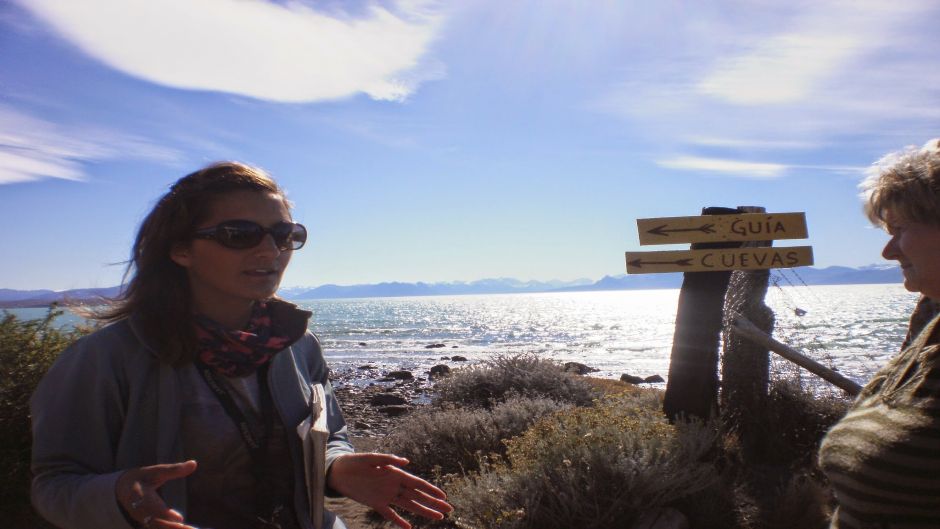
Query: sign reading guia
x,y
720,228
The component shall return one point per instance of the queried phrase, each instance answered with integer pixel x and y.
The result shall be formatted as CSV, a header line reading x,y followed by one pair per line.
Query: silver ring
x,y
147,520
137,503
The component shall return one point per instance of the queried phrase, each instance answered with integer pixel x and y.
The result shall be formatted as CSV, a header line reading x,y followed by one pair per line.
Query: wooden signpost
x,y
722,228
723,240
717,260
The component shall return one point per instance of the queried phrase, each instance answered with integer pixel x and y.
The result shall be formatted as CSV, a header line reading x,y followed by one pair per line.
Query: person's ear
x,y
181,254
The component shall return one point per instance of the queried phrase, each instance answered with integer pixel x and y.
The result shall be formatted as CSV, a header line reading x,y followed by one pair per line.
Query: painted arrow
x,y
661,230
638,263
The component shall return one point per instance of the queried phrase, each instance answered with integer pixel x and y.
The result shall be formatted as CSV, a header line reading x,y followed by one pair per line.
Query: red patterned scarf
x,y
234,353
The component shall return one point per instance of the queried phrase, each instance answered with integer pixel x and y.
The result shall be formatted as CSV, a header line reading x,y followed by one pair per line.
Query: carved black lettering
x,y
777,260
779,227
728,260
745,257
792,258
736,227
760,258
707,260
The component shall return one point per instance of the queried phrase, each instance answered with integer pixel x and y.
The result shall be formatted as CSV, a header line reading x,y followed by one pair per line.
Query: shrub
x,y
27,350
527,375
447,440
598,468
796,422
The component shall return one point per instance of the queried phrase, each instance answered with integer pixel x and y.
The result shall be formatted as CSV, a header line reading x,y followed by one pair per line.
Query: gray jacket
x,y
108,405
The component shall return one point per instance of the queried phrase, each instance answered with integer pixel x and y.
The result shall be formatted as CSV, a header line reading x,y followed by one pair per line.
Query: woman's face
x,y
916,247
225,282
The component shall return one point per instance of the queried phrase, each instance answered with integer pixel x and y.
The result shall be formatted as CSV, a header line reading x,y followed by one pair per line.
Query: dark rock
x,y
458,358
386,399
445,358
386,379
578,368
362,425
400,375
367,366
439,370
631,379
395,410
362,344
653,379
453,347
434,346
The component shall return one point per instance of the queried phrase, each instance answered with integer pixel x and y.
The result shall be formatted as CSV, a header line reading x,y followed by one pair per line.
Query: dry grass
x,y
494,381
598,468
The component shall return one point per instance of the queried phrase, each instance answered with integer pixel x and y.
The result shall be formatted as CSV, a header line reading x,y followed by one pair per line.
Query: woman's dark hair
x,y
158,294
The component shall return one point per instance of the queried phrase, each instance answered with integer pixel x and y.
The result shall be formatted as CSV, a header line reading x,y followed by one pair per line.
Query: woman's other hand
x,y
377,481
136,491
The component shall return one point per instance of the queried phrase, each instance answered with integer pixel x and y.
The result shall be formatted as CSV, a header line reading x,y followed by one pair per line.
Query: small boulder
x,y
362,344
631,379
453,347
458,358
445,358
578,368
400,375
653,379
439,370
366,366
395,410
434,346
386,399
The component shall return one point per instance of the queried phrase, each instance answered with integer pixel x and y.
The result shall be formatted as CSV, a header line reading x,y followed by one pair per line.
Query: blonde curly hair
x,y
905,183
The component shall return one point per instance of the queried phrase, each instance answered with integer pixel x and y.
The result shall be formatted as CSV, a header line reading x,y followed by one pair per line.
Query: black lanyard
x,y
257,448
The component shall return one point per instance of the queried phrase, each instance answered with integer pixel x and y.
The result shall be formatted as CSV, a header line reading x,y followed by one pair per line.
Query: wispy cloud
x,y
282,51
792,79
759,171
749,143
32,148
821,43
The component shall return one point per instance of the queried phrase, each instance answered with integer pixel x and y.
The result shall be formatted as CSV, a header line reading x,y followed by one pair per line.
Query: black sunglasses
x,y
244,234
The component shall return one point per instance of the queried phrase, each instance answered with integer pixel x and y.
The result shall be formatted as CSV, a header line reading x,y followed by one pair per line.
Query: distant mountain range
x,y
833,275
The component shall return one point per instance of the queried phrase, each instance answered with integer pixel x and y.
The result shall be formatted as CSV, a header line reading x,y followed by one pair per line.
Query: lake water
x,y
856,328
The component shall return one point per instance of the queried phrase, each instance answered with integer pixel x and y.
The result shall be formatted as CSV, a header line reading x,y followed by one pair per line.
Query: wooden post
x,y
745,365
692,390
748,330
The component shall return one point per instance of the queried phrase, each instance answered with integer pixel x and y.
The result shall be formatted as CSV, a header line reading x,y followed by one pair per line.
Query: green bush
x,y
448,440
493,381
598,468
27,350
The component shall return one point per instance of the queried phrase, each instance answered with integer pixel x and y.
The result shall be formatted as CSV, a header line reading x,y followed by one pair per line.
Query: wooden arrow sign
x,y
718,260
717,228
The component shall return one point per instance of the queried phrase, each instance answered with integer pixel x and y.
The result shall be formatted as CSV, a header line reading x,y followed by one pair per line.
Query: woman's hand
x,y
377,481
136,491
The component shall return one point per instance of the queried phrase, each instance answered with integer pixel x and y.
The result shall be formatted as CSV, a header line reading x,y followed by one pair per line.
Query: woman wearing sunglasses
x,y
183,411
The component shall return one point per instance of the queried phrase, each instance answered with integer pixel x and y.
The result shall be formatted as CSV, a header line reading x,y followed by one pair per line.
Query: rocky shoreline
x,y
373,398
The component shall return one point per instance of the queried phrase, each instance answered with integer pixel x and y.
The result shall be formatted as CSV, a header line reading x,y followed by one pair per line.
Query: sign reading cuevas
x,y
722,228
718,260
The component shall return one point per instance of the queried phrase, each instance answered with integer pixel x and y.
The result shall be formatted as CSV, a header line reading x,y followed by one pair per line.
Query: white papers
x,y
314,435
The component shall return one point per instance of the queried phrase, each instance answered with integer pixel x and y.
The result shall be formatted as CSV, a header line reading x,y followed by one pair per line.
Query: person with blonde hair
x,y
182,412
883,457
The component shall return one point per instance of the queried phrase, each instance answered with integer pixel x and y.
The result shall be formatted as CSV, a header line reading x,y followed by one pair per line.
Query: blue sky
x,y
440,141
